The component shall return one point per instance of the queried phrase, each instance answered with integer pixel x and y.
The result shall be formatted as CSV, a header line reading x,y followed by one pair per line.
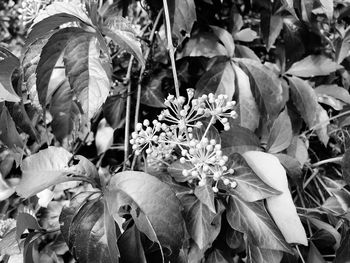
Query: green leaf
x,y
252,219
280,207
8,64
239,139
6,190
322,121
206,195
274,29
9,244
8,132
104,136
198,218
246,35
113,110
345,165
298,150
50,167
219,79
343,253
64,111
292,166
152,94
342,47
334,91
280,135
89,230
182,17
156,203
250,187
256,254
122,34
266,87
216,256
314,255
85,72
226,38
245,52
49,57
249,114
26,221
176,168
313,66
305,99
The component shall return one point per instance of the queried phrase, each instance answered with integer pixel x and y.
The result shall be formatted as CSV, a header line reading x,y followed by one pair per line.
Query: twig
x,y
128,109
171,48
300,255
148,51
312,176
303,205
330,160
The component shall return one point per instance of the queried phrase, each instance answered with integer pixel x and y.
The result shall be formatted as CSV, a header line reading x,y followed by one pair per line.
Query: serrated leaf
x,y
8,132
250,187
280,207
280,135
156,203
225,38
64,111
182,17
89,221
50,167
198,218
304,98
122,34
219,79
249,114
8,64
252,219
266,87
257,254
313,66
85,72
238,139
206,195
49,57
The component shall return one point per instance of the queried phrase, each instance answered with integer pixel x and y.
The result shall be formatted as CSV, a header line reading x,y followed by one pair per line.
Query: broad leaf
x,y
239,139
257,254
343,253
8,64
252,219
346,166
305,99
219,79
246,35
216,256
8,132
206,195
314,255
250,187
272,30
49,57
334,91
292,166
182,17
26,221
156,203
199,221
152,94
113,110
245,52
104,136
6,190
342,47
89,230
322,121
298,150
176,168
280,207
64,111
249,114
266,87
85,72
280,135
50,167
226,38
122,34
313,66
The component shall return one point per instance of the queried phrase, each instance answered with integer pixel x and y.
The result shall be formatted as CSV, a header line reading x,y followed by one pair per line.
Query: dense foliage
x,y
174,131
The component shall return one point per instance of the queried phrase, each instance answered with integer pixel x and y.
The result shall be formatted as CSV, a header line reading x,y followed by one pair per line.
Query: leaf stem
x,y
148,51
128,109
330,160
171,48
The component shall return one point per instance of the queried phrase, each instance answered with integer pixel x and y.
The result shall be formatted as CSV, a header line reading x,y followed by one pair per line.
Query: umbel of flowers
x,y
177,127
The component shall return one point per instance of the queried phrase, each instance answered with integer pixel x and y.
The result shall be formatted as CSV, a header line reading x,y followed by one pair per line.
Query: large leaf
x,y
257,254
64,111
249,114
89,230
280,135
156,203
322,121
281,207
272,29
313,66
49,57
8,64
250,187
6,190
252,219
216,256
226,38
113,110
182,16
206,195
50,167
343,253
239,139
8,132
342,47
335,91
121,32
219,79
266,87
85,72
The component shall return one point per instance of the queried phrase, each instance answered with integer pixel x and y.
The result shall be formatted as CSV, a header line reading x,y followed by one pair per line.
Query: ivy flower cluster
x,y
180,126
